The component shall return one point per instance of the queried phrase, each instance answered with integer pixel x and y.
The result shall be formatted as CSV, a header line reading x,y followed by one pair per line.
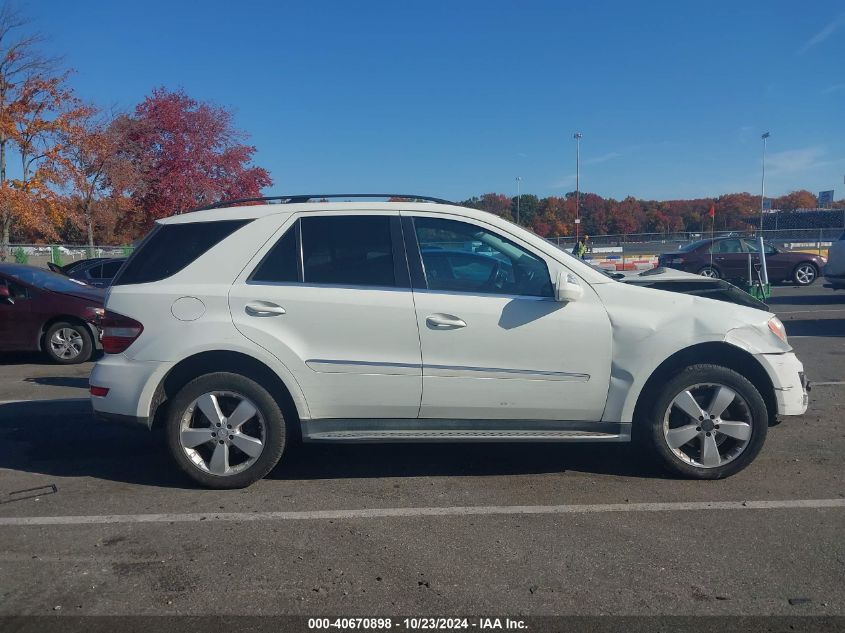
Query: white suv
x,y
241,329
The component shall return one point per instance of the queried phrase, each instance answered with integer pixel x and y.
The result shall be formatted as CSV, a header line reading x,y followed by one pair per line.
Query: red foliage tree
x,y
187,154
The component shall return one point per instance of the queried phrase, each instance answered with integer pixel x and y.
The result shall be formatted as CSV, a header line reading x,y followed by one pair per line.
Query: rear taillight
x,y
119,332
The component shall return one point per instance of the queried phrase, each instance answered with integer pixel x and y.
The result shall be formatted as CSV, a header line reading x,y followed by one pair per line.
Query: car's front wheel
x,y
805,274
708,422
225,430
68,343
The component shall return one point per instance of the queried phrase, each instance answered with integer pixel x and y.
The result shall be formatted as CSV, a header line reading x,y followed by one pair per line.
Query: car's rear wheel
x,y
68,343
225,430
710,271
708,422
805,274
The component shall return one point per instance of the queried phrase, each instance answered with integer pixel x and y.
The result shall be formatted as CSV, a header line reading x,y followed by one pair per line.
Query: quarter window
x,y
171,247
462,257
280,264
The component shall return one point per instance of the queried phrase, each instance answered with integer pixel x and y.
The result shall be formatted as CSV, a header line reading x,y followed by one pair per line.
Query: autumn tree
x,y
29,94
186,154
100,173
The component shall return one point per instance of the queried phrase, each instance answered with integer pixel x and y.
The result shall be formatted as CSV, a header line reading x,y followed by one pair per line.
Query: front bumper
x,y
131,384
790,383
836,281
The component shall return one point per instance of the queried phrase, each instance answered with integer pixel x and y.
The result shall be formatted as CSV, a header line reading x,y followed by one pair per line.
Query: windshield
x,y
46,280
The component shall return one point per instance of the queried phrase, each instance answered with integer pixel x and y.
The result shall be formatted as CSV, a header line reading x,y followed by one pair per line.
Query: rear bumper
x,y
790,383
131,384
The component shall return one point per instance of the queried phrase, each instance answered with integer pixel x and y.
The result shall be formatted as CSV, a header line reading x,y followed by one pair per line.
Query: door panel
x,y
353,349
730,258
491,355
17,329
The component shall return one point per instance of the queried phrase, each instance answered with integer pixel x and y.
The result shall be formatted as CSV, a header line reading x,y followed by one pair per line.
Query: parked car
x,y
96,271
834,271
678,281
727,258
239,329
43,311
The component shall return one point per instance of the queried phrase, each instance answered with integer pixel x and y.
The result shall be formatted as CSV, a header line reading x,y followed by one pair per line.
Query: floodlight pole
x,y
760,246
577,136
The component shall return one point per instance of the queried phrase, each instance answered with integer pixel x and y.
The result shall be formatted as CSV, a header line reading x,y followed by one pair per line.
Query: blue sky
x,y
458,98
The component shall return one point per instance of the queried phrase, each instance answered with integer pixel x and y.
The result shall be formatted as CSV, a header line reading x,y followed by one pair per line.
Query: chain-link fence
x,y
655,243
61,254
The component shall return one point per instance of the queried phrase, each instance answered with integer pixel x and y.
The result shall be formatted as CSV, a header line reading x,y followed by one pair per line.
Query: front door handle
x,y
444,321
263,309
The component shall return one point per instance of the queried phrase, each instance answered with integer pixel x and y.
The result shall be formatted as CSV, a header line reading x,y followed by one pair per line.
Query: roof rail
x,y
306,197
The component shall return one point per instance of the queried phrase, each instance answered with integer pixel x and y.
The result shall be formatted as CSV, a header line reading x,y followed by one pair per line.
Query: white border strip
x,y
379,513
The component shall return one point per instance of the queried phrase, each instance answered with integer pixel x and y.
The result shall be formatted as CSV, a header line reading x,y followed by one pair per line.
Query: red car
x,y
43,311
727,258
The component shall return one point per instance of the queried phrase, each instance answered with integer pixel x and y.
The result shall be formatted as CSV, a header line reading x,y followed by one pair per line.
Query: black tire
x,y
274,431
800,279
650,428
60,357
704,269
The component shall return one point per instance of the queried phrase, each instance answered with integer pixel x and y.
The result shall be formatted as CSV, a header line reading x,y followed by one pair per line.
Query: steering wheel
x,y
498,277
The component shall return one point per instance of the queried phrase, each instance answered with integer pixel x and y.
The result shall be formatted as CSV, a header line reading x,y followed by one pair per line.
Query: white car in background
x,y
834,270
242,328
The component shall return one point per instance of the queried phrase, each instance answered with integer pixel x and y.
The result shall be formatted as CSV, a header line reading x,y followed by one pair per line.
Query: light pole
x,y
518,196
760,246
577,136
763,181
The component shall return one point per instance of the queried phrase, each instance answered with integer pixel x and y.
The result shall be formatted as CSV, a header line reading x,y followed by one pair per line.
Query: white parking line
x,y
826,384
381,513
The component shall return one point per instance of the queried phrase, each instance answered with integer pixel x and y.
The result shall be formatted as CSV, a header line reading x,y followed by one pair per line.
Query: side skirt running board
x,y
431,430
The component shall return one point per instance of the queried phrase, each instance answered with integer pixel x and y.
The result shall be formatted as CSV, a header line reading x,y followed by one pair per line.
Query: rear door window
x,y
348,250
171,247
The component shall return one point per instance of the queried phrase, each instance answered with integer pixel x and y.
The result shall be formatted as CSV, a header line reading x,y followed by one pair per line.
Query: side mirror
x,y
567,287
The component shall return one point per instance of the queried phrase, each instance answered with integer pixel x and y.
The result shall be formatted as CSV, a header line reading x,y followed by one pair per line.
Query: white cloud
x,y
601,159
795,160
834,88
822,35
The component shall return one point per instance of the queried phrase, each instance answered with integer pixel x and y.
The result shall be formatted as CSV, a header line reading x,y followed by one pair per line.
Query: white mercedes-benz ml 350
x,y
243,329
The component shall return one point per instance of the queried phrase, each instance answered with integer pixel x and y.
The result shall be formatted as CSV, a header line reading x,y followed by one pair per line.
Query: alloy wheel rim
x,y
66,343
707,425
805,274
708,272
222,433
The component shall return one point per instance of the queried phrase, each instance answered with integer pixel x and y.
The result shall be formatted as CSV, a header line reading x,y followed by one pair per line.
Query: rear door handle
x,y
444,321
263,309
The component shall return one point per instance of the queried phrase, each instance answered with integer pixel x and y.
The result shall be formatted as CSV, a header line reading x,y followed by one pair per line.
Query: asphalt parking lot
x,y
437,530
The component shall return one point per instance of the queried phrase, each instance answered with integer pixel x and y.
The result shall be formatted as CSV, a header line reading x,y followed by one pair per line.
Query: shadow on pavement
x,y
36,358
815,327
65,440
808,299
60,381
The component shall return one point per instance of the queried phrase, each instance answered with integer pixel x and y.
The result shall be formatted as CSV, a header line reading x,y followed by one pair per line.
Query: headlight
x,y
776,328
